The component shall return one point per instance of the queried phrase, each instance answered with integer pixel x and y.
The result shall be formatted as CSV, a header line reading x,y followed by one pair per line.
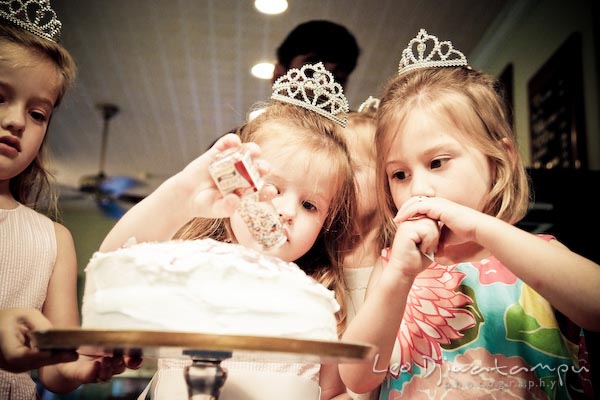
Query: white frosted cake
x,y
205,286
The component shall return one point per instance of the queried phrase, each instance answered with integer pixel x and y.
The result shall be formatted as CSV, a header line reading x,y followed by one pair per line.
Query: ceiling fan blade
x,y
118,185
110,208
131,198
91,183
110,192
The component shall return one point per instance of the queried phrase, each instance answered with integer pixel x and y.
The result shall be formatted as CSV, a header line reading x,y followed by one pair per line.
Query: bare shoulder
x,y
64,239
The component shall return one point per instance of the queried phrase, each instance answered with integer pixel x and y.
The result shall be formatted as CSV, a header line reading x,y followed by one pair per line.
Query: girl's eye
x,y
38,116
309,206
437,163
400,175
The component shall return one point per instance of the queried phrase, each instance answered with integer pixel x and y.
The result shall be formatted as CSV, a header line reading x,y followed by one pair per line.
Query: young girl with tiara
x,y
359,261
463,303
311,178
38,268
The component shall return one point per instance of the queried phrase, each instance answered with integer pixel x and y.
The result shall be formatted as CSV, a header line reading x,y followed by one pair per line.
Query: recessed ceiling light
x,y
263,70
271,6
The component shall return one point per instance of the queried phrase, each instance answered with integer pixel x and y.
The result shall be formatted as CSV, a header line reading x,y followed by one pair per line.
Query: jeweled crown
x,y
314,88
35,16
426,51
370,104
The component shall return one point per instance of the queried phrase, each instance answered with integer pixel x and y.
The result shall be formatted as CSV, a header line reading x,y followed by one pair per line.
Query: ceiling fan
x,y
109,191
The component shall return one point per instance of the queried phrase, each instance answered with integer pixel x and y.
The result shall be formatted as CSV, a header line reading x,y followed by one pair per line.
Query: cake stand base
x,y
205,377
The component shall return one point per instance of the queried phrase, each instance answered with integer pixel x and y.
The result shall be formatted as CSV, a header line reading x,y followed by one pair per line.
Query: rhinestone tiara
x,y
439,54
35,16
313,87
371,103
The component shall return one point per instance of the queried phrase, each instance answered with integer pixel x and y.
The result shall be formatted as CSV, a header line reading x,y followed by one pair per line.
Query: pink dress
x,y
27,256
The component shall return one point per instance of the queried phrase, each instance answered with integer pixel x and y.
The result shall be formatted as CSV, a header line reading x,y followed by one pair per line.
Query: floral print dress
x,y
474,330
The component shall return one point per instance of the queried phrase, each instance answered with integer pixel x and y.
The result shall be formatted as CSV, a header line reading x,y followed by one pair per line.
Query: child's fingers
x,y
424,232
267,192
133,362
414,208
430,236
264,167
409,210
226,141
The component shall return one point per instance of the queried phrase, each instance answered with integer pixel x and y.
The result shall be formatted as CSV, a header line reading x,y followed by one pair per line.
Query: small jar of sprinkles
x,y
262,220
235,172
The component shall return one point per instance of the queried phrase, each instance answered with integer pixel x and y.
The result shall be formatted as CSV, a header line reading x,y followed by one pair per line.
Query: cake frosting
x,y
205,286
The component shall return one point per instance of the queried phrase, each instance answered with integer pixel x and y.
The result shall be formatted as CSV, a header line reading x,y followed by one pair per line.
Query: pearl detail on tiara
x,y
35,16
314,88
441,54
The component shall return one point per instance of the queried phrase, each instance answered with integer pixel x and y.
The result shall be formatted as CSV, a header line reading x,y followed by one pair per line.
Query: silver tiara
x,y
430,52
371,103
313,87
35,16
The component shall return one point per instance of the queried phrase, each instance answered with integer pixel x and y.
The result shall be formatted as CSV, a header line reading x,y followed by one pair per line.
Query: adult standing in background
x,y
311,42
319,40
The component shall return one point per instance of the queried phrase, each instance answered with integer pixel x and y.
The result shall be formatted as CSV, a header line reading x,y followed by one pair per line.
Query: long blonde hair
x,y
32,186
470,100
357,122
319,136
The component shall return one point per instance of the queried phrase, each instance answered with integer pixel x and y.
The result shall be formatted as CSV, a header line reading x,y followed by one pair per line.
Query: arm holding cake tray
x,y
16,353
38,260
61,309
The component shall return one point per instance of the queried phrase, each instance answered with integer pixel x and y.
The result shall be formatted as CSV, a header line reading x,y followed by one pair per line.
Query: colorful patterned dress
x,y
473,330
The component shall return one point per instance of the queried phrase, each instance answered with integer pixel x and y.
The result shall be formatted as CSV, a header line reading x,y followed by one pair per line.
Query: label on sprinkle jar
x,y
234,171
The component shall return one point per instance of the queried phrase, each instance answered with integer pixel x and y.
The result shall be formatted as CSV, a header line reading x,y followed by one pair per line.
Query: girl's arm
x,y
60,306
188,194
378,319
332,387
567,280
61,309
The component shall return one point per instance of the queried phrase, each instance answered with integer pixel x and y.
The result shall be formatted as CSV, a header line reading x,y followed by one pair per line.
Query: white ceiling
x,y
179,69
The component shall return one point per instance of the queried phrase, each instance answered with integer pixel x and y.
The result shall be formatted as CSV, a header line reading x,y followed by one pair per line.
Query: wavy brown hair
x,y
471,101
32,186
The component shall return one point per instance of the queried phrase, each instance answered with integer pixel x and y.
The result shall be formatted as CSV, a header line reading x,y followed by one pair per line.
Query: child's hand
x,y
16,353
196,188
415,237
92,369
460,220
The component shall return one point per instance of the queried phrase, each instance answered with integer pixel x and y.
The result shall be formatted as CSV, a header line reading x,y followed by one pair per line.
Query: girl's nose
x,y
421,186
13,119
285,208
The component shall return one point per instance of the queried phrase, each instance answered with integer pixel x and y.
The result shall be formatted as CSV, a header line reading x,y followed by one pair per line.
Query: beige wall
x,y
526,36
88,227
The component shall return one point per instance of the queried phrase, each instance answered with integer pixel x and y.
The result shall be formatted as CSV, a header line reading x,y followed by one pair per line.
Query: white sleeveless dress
x,y
27,257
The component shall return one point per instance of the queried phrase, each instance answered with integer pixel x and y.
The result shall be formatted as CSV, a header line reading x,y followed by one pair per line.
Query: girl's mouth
x,y
10,146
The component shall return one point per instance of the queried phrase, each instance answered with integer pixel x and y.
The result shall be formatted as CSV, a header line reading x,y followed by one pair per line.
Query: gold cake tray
x,y
167,344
